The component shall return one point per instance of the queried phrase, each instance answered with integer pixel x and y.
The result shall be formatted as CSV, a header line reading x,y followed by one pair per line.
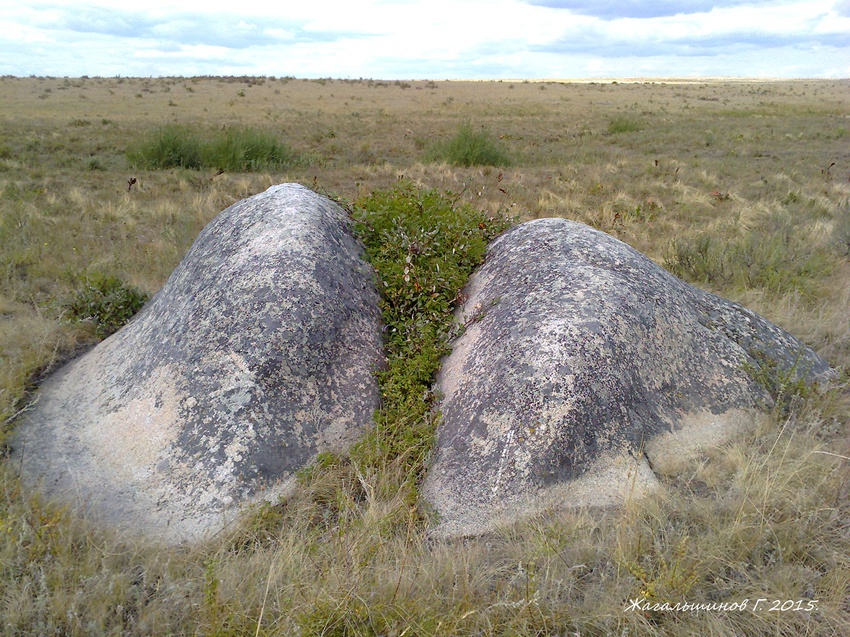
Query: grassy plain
x,y
739,187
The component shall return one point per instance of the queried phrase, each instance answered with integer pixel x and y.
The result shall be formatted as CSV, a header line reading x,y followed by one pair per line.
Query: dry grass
x,y
740,164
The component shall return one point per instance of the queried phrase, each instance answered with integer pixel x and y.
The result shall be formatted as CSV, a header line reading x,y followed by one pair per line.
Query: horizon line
x,y
670,79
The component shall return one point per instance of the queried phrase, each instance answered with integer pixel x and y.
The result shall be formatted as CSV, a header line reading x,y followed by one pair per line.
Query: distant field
x,y
740,187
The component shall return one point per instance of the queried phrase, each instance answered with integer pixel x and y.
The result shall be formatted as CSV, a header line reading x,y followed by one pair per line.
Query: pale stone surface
x,y
256,354
582,365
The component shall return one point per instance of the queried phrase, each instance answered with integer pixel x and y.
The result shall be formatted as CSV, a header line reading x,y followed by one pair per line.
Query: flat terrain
x,y
738,187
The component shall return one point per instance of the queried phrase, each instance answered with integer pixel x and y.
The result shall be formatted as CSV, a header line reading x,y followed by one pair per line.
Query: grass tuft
x,y
236,150
470,147
841,231
171,146
774,256
246,150
624,125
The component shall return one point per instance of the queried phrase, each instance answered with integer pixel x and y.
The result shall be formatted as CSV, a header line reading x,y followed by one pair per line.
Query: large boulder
x,y
582,367
257,353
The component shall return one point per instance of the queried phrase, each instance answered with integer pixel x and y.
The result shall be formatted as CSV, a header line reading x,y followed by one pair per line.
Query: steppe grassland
x,y
740,187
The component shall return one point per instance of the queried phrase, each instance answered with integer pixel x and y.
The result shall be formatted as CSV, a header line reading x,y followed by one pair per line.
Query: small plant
x,y
623,125
106,301
772,257
236,150
694,260
660,576
841,232
470,147
171,146
788,388
244,149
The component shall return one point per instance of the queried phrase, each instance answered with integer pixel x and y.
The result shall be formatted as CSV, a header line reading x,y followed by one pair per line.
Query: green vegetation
x,y
170,147
760,215
623,125
470,147
107,302
773,256
841,231
242,150
234,150
787,388
423,248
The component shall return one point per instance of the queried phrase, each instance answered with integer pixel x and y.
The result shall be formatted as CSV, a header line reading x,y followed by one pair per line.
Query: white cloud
x,y
417,38
200,52
16,32
279,34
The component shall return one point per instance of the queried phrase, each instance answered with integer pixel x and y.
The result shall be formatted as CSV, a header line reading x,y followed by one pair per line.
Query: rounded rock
x,y
582,366
257,354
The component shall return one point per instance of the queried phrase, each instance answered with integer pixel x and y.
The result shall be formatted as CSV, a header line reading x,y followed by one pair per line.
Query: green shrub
x,y
788,388
841,231
106,301
244,150
623,125
773,256
171,146
470,147
423,248
236,150
695,259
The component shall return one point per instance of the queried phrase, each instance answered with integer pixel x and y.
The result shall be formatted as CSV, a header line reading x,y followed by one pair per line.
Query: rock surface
x,y
583,365
256,354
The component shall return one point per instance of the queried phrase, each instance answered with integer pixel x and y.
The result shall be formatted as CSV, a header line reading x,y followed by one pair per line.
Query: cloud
x,y
842,8
427,38
229,30
792,25
62,39
590,43
613,9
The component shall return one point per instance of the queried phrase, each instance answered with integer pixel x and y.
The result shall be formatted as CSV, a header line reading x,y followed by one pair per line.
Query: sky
x,y
427,39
